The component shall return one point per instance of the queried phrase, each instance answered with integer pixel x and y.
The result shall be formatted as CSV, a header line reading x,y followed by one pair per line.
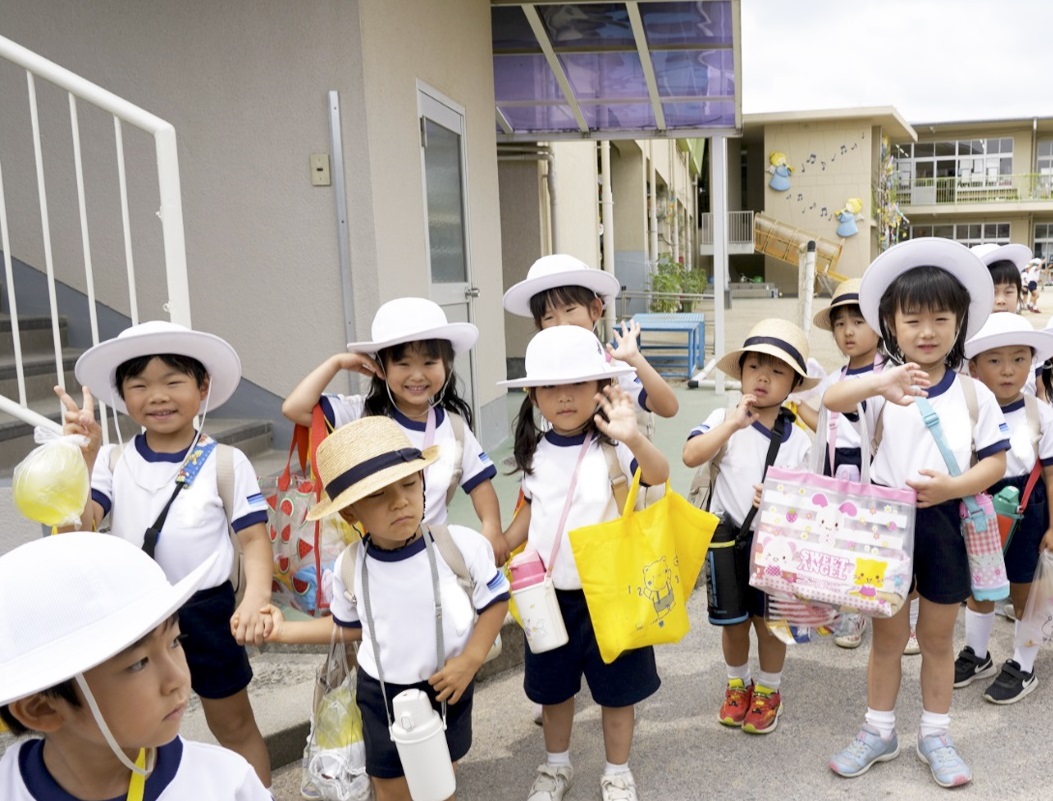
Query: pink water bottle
x,y
535,598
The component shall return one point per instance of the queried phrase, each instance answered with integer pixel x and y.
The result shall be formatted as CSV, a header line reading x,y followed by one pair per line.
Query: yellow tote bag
x,y
639,570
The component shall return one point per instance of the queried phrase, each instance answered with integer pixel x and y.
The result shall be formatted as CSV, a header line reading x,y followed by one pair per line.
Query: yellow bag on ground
x,y
639,570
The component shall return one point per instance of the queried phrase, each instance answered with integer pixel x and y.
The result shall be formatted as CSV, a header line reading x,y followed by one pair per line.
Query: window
x,y
970,234
965,163
1044,240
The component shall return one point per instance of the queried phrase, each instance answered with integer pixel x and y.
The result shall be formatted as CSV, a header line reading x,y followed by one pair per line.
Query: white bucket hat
x,y
411,320
989,253
71,601
558,270
778,338
97,367
566,354
1006,330
946,254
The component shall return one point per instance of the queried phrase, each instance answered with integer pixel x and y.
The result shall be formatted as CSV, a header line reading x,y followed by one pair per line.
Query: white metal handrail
x,y
170,209
740,228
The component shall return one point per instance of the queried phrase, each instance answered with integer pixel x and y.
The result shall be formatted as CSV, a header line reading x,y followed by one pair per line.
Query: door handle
x,y
471,292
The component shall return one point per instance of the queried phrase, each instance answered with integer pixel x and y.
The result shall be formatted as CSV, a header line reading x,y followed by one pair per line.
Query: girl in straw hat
x,y
1001,356
375,477
567,484
771,363
925,297
161,493
410,366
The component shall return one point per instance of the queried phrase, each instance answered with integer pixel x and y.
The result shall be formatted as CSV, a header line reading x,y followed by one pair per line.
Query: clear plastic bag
x,y
51,485
335,760
1036,626
797,622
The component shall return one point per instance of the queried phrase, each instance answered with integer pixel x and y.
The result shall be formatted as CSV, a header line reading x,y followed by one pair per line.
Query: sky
x,y
933,60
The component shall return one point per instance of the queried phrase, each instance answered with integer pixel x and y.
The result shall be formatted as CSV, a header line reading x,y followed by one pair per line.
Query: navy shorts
x,y
1021,557
219,667
1032,286
555,676
941,565
382,757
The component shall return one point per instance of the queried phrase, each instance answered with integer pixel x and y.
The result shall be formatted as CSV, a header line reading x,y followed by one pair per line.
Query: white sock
x,y
978,627
739,672
914,613
613,770
1024,655
934,723
770,680
559,760
884,722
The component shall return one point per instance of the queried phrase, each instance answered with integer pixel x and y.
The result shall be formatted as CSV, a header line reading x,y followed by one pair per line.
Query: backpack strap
x,y
701,490
619,481
115,456
458,463
225,487
347,569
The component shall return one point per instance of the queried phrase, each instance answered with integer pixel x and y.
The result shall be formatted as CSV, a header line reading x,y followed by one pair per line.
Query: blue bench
x,y
678,356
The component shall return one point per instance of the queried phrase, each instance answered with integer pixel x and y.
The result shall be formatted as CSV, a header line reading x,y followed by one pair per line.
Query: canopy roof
x,y
626,70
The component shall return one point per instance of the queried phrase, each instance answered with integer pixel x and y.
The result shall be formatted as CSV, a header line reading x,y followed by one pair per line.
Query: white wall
x,y
245,85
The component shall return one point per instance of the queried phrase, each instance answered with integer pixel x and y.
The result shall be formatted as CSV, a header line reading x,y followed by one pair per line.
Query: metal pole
x,y
718,165
607,216
343,244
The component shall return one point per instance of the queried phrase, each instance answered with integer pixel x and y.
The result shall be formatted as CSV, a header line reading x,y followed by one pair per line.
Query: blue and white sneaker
x,y
863,752
947,766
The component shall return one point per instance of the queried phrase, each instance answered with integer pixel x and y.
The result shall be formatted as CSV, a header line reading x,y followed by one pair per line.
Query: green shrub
x,y
668,276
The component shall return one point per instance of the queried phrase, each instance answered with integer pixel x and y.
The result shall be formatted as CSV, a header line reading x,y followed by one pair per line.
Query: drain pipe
x,y
537,153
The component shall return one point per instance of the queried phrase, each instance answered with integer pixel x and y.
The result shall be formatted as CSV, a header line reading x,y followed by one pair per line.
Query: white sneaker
x,y
854,638
912,646
618,787
551,783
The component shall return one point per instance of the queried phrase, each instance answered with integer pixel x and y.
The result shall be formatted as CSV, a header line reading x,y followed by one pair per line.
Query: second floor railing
x,y
975,188
740,228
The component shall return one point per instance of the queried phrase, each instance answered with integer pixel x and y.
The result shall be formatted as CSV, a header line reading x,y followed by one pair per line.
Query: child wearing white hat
x,y
771,363
566,485
1000,356
94,665
562,290
410,365
374,477
925,297
161,493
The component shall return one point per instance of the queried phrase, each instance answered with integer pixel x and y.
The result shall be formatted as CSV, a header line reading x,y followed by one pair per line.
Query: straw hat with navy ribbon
x,y
846,294
363,457
777,338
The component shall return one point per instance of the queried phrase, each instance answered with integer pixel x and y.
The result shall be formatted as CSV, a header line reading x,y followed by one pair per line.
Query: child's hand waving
x,y
902,384
742,417
628,347
621,417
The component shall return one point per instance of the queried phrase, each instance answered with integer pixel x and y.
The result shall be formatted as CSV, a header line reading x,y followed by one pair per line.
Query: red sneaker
x,y
764,711
737,698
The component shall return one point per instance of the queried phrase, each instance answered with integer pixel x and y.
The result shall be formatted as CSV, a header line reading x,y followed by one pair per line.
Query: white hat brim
x,y
557,379
604,284
97,367
462,336
1041,342
1020,255
946,254
91,645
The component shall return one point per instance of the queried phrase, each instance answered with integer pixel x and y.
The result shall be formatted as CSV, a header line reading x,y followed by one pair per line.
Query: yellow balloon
x,y
51,484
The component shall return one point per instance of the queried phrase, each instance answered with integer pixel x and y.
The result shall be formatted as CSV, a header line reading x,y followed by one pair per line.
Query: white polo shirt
x,y
1021,455
742,464
476,466
402,599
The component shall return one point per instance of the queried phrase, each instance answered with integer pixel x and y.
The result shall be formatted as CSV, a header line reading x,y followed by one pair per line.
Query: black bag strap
x,y
782,424
152,533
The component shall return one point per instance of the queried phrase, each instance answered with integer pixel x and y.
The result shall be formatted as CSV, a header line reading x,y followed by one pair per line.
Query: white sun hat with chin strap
x,y
558,270
566,354
97,367
1007,330
989,253
405,320
71,601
